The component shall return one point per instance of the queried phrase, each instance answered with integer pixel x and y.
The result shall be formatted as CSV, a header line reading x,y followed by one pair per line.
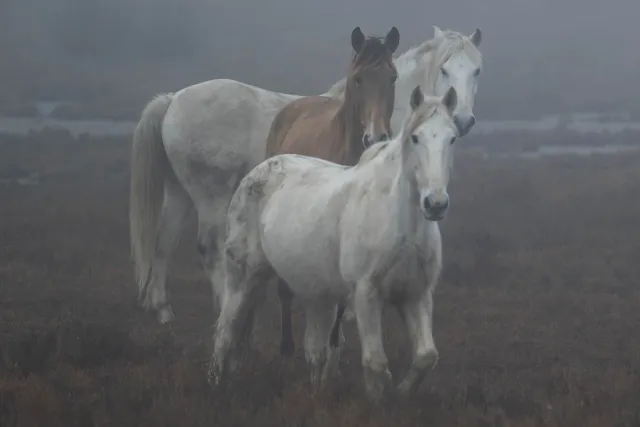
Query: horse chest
x,y
405,273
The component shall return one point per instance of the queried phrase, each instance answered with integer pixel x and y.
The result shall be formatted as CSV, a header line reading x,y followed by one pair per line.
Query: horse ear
x,y
476,37
392,40
357,39
417,98
450,100
437,32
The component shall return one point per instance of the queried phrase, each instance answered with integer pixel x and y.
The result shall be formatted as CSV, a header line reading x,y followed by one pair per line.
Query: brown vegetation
x,y
536,317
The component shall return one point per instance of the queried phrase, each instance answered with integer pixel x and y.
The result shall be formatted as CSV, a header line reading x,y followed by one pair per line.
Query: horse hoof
x,y
377,384
165,315
404,388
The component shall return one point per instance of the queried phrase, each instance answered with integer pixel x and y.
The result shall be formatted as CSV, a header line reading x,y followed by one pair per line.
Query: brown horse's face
x,y
371,86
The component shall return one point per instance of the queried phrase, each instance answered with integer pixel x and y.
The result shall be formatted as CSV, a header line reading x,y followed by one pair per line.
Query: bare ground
x,y
536,319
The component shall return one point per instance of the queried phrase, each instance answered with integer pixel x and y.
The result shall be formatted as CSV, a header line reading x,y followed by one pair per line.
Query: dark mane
x,y
373,54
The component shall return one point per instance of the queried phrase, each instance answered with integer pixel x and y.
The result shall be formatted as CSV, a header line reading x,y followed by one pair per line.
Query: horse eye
x,y
476,73
358,81
393,79
444,72
452,140
414,139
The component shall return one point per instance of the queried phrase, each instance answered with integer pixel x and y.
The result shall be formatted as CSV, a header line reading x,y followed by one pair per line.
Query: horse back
x,y
304,126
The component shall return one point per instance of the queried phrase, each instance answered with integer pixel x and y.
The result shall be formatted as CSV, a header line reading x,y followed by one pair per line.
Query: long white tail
x,y
149,169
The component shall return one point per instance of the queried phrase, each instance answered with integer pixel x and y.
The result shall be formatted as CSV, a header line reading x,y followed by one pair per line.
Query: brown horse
x,y
339,131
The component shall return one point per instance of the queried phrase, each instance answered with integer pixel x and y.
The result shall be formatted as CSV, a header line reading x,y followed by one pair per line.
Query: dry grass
x,y
536,318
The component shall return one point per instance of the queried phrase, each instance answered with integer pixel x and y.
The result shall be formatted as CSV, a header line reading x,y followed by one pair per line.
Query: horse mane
x,y
444,47
371,152
372,54
338,89
429,107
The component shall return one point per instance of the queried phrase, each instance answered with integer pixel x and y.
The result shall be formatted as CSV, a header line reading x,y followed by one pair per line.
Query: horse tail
x,y
149,168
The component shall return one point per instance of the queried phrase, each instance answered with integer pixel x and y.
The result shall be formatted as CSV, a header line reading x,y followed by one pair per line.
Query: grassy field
x,y
536,318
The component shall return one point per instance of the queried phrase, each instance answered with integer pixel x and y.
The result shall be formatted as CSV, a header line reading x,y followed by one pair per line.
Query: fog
x,y
541,57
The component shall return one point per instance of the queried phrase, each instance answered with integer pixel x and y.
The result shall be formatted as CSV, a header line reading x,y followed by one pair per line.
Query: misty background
x,y
541,56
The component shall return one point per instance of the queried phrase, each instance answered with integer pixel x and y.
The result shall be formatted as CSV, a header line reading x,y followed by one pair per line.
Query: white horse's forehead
x,y
461,61
438,127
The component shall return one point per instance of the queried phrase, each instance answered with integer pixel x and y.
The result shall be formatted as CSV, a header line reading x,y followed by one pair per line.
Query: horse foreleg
x,y
368,310
319,319
287,346
417,315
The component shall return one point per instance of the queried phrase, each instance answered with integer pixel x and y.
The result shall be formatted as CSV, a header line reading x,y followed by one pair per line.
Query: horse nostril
x,y
435,206
472,121
384,137
464,124
426,203
366,141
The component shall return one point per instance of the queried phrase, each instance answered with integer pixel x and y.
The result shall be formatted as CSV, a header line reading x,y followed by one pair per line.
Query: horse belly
x,y
300,242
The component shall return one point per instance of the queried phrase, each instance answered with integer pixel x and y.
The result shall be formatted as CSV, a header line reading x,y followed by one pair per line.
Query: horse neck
x,y
413,69
387,170
346,126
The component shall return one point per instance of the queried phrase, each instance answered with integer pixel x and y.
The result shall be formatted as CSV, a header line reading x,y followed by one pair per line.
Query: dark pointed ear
x,y
357,39
476,37
392,40
450,100
417,98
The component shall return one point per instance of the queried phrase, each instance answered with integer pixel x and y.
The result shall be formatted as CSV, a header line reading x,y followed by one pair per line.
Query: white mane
x,y
444,47
427,109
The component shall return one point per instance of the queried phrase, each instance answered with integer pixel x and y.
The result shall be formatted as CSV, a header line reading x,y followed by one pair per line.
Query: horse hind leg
x,y
175,210
232,315
287,346
211,239
336,344
244,289
211,235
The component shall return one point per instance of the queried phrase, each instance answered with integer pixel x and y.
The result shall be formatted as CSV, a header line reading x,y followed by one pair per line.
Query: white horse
x,y
192,147
331,232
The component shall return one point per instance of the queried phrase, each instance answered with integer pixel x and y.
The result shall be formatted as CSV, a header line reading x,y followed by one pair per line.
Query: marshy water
x,y
577,123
